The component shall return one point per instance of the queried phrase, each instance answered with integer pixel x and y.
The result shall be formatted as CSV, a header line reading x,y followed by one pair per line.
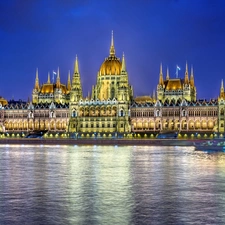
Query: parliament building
x,y
112,110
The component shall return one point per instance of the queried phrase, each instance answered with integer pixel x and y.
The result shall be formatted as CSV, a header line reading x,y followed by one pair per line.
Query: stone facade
x,y
175,116
25,117
107,110
111,108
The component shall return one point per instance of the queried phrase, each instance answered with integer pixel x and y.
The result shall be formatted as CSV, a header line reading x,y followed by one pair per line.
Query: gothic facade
x,y
111,108
107,111
25,117
176,88
179,115
51,91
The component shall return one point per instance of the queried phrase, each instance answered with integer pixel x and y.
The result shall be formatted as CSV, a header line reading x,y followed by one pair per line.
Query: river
x,y
43,184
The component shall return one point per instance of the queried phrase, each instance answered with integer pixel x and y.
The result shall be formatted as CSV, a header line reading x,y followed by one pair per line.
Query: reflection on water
x,y
111,185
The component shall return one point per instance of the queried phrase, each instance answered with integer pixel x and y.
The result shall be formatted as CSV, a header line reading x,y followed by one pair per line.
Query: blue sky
x,y
49,33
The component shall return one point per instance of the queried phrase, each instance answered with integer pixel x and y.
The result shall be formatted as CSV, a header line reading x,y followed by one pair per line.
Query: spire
x,y
58,79
186,79
48,82
123,63
167,74
222,89
76,67
161,76
68,82
37,87
112,49
76,88
192,83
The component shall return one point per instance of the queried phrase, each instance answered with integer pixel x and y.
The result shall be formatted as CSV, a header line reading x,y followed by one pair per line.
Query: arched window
x,y
222,112
157,113
121,112
74,113
31,114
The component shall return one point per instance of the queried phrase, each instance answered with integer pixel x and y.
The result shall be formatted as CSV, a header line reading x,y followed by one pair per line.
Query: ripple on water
x,y
111,185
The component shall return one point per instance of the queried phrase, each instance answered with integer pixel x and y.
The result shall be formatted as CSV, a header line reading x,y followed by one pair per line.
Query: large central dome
x,y
112,65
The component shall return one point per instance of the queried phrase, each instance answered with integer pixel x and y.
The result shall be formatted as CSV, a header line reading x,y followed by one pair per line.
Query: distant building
x,y
176,88
23,117
111,109
107,111
51,92
175,115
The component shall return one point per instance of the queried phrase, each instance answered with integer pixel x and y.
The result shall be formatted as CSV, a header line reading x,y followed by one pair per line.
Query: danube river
x,y
110,185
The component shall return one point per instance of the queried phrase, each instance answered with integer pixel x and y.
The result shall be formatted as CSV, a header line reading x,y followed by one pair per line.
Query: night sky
x,y
47,34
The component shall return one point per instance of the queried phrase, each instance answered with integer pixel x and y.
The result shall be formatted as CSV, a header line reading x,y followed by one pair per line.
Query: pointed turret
x,y
167,74
48,82
186,79
37,87
68,82
76,89
58,80
161,76
123,63
222,89
76,67
112,49
192,82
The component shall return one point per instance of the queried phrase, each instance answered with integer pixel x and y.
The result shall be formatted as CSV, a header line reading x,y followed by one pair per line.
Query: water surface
x,y
111,185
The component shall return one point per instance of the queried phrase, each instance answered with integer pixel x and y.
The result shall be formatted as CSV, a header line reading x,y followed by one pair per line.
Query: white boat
x,y
211,145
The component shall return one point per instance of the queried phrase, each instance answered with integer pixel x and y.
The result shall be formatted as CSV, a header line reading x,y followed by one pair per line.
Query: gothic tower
x,y
112,83
221,109
36,88
76,95
186,85
160,86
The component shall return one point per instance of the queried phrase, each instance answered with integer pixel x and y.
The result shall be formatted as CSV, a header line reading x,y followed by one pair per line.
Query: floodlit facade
x,y
20,116
171,115
176,88
107,111
51,91
111,109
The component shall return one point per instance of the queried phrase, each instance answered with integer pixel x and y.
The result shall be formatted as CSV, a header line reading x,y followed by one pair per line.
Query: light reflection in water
x,y
110,185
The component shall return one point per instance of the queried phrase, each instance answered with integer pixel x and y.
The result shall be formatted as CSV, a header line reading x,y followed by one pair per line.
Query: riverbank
x,y
150,142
